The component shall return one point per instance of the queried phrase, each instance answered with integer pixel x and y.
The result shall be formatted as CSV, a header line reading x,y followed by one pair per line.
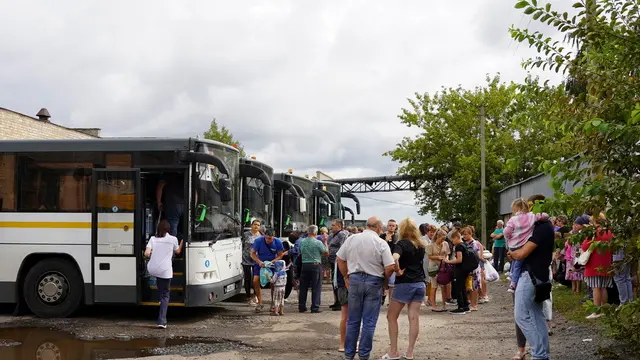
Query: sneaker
x,y
594,316
161,326
458,311
452,302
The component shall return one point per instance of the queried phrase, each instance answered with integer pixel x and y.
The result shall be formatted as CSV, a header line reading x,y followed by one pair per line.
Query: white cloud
x,y
303,84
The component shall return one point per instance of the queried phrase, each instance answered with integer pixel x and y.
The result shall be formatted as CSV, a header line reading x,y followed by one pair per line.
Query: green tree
x,y
446,155
603,99
222,134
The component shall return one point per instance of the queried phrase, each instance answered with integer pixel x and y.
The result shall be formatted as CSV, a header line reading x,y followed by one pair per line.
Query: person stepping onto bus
x,y
265,248
160,249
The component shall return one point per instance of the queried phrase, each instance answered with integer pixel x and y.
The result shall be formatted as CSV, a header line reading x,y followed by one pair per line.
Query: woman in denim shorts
x,y
409,289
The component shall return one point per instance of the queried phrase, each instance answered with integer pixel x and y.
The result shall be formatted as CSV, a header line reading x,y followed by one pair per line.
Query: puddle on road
x,y
49,344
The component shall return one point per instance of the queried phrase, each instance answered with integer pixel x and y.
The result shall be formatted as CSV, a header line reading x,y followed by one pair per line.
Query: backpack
x,y
470,258
445,274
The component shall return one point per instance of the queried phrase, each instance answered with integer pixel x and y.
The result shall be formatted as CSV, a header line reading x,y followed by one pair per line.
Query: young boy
x,y
460,273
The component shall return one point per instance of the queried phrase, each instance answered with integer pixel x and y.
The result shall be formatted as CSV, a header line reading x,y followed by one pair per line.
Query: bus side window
x,y
50,187
7,182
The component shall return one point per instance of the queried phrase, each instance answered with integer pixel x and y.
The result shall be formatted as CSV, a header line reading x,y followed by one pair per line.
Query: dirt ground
x,y
234,332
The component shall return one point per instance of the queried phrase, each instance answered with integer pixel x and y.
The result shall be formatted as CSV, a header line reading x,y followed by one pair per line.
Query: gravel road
x,y
233,331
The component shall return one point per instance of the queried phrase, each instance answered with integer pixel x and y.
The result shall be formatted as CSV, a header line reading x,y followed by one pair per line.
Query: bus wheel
x,y
53,288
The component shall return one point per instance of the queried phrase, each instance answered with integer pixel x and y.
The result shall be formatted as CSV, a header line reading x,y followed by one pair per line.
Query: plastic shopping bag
x,y
490,273
265,273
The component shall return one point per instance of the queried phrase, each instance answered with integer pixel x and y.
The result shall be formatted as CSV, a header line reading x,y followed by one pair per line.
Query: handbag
x,y
542,288
445,275
433,268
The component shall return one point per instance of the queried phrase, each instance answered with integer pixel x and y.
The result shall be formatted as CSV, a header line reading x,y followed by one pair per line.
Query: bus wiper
x,y
232,218
201,216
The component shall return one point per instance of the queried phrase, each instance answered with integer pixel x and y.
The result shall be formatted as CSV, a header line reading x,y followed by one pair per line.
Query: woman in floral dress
x,y
574,275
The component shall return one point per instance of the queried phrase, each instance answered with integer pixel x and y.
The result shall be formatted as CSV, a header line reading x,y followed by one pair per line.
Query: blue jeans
x,y
163,289
529,316
624,285
174,213
516,268
365,294
407,293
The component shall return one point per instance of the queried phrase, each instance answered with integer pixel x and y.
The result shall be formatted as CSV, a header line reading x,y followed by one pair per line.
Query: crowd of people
x,y
407,263
400,265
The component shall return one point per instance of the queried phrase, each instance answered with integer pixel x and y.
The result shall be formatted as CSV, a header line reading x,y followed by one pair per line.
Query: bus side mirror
x,y
267,194
226,192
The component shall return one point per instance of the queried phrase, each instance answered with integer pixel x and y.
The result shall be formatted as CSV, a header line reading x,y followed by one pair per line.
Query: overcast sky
x,y
306,85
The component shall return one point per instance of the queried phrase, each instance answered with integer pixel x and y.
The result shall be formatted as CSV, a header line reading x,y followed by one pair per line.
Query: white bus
x,y
76,215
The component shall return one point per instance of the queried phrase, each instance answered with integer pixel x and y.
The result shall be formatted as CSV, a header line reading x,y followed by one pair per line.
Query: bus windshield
x,y
215,219
323,212
254,204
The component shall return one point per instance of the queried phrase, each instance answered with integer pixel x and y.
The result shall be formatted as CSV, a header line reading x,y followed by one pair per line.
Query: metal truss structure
x,y
379,184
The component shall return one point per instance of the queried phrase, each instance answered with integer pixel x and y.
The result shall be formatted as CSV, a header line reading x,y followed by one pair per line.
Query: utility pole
x,y
483,184
483,170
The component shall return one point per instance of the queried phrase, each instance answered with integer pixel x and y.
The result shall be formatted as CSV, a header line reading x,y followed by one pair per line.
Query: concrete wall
x,y
16,126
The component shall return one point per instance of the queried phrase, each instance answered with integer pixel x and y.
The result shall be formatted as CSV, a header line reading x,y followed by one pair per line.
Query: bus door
x,y
116,235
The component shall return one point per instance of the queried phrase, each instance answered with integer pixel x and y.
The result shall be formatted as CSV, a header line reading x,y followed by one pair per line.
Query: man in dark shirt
x,y
391,237
536,255
336,239
170,200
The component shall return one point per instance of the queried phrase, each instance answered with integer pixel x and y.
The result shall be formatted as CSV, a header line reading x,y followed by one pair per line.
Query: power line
x,y
388,201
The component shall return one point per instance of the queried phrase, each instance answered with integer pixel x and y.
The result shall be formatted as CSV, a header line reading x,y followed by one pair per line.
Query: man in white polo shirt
x,y
366,262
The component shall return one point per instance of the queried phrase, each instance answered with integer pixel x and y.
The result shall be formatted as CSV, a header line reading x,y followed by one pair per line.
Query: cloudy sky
x,y
306,85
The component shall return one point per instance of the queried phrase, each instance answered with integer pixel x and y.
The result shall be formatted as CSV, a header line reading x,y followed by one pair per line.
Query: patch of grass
x,y
568,303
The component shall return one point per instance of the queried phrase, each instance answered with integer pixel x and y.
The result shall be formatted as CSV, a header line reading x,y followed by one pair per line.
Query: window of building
x,y
51,184
7,182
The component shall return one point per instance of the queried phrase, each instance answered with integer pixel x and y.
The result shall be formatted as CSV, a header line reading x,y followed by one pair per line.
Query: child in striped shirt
x,y
517,232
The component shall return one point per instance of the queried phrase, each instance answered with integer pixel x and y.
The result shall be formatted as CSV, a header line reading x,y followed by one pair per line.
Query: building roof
x,y
49,122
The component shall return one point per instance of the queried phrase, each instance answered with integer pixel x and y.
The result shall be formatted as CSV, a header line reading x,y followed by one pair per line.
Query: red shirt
x,y
600,258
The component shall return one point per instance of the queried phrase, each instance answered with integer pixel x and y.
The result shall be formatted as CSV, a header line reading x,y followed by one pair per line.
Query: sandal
x,y
405,357
519,356
259,308
387,357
